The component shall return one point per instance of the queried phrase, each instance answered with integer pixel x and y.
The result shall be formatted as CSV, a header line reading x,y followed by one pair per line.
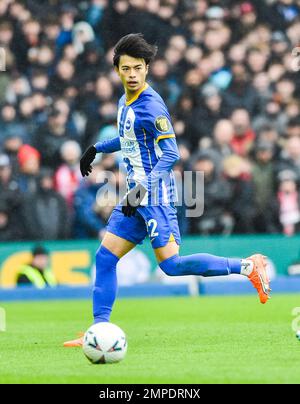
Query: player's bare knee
x,y
169,250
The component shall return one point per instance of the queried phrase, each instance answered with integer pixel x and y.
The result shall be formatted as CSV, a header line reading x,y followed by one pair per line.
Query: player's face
x,y
132,73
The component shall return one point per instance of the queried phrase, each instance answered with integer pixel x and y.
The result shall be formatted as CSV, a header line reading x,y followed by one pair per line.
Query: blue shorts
x,y
159,222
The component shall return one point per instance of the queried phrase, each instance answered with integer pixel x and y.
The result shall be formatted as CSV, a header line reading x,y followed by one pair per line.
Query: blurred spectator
x,y
217,194
263,175
43,204
87,222
11,146
64,77
27,118
6,181
9,229
67,176
49,138
10,125
237,174
244,136
37,273
282,13
271,114
205,117
248,17
10,192
285,90
293,128
29,163
241,93
222,137
270,134
290,157
289,202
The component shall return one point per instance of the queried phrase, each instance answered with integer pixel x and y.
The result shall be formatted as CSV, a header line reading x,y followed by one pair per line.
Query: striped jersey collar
x,y
137,95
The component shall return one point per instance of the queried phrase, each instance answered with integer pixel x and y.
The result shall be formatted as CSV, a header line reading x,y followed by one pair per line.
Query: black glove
x,y
132,200
86,161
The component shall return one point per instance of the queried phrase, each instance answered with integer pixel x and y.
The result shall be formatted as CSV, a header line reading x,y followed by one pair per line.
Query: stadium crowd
x,y
228,71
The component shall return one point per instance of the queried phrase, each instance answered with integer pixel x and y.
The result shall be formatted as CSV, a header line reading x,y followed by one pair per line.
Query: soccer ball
x,y
298,335
104,343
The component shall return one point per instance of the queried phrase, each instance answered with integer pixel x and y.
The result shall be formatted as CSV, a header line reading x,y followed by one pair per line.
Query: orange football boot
x,y
75,343
259,277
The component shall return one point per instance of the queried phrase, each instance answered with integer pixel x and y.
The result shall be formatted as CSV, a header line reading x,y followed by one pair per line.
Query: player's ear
x,y
117,70
147,68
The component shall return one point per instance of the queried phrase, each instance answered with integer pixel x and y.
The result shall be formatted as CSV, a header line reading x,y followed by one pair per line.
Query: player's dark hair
x,y
136,46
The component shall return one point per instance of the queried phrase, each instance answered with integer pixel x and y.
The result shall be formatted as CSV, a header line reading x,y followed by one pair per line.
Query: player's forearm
x,y
108,146
166,162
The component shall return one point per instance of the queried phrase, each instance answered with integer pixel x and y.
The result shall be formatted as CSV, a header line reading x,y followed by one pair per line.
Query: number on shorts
x,y
153,223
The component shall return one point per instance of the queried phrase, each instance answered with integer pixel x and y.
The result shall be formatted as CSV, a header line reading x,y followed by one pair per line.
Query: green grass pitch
x,y
170,340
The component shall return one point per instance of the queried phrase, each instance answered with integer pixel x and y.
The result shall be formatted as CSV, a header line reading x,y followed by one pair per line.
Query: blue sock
x,y
105,289
200,264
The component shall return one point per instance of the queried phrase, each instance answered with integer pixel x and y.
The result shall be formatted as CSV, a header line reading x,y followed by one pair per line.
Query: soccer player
x,y
147,141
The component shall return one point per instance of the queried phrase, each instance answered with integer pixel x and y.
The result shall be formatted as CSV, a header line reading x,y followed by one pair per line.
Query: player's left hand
x,y
132,200
86,160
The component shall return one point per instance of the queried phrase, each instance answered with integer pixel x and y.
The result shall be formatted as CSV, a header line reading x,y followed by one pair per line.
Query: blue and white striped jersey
x,y
142,123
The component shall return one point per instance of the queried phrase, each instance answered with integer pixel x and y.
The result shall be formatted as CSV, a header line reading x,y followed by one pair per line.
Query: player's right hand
x,y
86,160
132,200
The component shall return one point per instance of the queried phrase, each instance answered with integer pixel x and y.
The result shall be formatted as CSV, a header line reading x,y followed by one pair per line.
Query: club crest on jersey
x,y
162,124
128,124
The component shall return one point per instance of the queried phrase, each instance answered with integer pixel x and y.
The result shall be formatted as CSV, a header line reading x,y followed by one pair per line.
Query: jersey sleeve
x,y
157,121
109,145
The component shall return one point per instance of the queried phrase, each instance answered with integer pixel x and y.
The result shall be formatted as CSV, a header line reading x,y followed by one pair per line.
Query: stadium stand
x,y
228,71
